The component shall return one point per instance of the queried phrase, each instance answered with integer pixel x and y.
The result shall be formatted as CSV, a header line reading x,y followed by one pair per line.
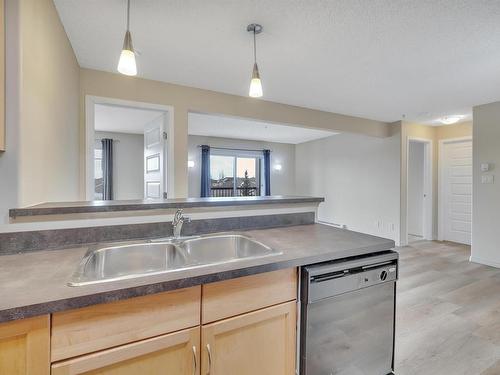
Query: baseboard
x,y
486,262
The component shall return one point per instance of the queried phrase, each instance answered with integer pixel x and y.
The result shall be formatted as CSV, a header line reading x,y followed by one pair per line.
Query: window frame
x,y
235,154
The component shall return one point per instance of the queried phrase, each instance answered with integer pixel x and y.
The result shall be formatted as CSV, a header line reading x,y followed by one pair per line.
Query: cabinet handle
x,y
209,359
195,363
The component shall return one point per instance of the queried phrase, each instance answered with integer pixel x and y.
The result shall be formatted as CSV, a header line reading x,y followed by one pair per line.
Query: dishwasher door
x,y
348,318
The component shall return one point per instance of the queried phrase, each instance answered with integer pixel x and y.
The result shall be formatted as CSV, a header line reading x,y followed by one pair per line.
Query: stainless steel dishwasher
x,y
348,315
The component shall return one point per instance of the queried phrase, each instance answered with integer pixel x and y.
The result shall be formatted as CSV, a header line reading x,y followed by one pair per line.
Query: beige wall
x,y
49,107
461,130
9,159
185,99
486,197
42,91
434,134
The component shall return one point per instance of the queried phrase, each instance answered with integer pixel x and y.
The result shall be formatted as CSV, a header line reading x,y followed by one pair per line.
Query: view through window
x,y
234,176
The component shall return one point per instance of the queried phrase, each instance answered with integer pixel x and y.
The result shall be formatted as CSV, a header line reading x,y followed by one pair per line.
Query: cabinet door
x,y
175,353
261,342
24,347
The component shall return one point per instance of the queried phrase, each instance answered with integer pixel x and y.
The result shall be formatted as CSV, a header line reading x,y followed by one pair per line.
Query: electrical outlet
x,y
487,179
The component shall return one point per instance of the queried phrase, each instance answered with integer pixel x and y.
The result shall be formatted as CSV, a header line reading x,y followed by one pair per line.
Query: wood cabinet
x,y
175,353
93,328
232,297
261,342
25,347
243,326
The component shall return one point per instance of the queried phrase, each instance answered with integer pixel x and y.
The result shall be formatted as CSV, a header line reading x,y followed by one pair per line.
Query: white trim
x,y
90,102
441,178
428,228
486,262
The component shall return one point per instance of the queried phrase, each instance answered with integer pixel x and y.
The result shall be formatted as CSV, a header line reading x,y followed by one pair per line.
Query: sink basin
x,y
126,261
223,248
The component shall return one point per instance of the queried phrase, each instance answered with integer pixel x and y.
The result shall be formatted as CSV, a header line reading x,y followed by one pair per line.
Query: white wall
x,y
486,197
282,182
359,176
416,188
128,164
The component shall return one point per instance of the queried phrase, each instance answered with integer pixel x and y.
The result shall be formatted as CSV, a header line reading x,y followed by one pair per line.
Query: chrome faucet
x,y
179,219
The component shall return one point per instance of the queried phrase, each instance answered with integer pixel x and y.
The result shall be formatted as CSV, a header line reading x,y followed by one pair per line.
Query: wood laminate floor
x,y
448,312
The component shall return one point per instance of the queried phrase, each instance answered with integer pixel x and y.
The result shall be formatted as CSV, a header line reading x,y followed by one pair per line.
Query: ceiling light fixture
x,y
255,84
127,64
448,120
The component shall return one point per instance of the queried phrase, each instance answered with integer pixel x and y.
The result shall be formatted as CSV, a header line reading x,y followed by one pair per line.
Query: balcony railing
x,y
229,192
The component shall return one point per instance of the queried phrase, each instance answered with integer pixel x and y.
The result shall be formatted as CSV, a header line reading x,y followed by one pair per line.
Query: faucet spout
x,y
177,223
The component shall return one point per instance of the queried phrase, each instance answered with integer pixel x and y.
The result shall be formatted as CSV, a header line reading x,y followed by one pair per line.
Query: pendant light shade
x,y
255,84
126,64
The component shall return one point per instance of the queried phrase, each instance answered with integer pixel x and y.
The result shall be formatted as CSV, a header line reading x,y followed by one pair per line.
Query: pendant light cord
x,y
254,47
128,15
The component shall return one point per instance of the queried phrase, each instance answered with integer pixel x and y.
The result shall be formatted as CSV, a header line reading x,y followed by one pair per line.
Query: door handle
x,y
209,360
195,362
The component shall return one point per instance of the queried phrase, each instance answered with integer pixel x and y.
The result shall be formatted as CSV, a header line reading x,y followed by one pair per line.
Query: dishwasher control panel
x,y
333,280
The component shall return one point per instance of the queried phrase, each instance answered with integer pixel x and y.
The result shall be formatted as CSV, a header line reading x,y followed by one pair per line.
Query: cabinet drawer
x,y
228,298
175,353
98,327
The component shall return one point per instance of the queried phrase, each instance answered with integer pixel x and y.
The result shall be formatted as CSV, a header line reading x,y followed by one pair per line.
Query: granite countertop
x,y
35,283
60,208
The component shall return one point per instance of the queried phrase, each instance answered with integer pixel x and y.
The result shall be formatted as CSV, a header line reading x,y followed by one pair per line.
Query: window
x,y
98,189
235,174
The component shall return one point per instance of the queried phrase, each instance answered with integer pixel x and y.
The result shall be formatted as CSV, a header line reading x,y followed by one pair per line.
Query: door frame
x,y
90,102
441,178
428,214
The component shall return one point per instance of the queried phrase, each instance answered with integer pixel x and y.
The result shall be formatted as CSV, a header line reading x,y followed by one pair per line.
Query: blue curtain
x,y
107,169
267,172
205,171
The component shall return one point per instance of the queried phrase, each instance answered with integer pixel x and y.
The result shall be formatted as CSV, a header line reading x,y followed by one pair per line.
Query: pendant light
x,y
127,64
255,84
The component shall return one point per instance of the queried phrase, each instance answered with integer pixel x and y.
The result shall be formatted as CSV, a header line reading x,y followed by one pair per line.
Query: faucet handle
x,y
177,216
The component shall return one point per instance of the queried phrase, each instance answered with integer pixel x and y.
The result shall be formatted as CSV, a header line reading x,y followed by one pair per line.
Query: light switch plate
x,y
485,167
487,179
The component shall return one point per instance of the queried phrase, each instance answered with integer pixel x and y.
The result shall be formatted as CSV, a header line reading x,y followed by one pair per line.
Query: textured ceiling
x,y
377,59
230,127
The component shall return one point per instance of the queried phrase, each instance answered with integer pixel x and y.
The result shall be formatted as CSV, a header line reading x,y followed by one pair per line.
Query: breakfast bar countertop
x,y
35,283
88,207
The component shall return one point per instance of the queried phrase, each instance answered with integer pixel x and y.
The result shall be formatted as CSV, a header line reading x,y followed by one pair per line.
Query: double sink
x,y
131,260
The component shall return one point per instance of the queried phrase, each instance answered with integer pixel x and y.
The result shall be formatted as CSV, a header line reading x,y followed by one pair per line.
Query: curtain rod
x,y
234,149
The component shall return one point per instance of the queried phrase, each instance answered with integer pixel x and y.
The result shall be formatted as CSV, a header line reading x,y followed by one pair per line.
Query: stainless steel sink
x,y
125,261
223,248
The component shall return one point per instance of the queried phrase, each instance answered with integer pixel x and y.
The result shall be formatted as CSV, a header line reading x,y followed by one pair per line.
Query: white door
x,y
457,191
155,162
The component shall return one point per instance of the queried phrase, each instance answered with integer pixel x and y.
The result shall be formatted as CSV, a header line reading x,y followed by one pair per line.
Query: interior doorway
x,y
129,154
420,216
